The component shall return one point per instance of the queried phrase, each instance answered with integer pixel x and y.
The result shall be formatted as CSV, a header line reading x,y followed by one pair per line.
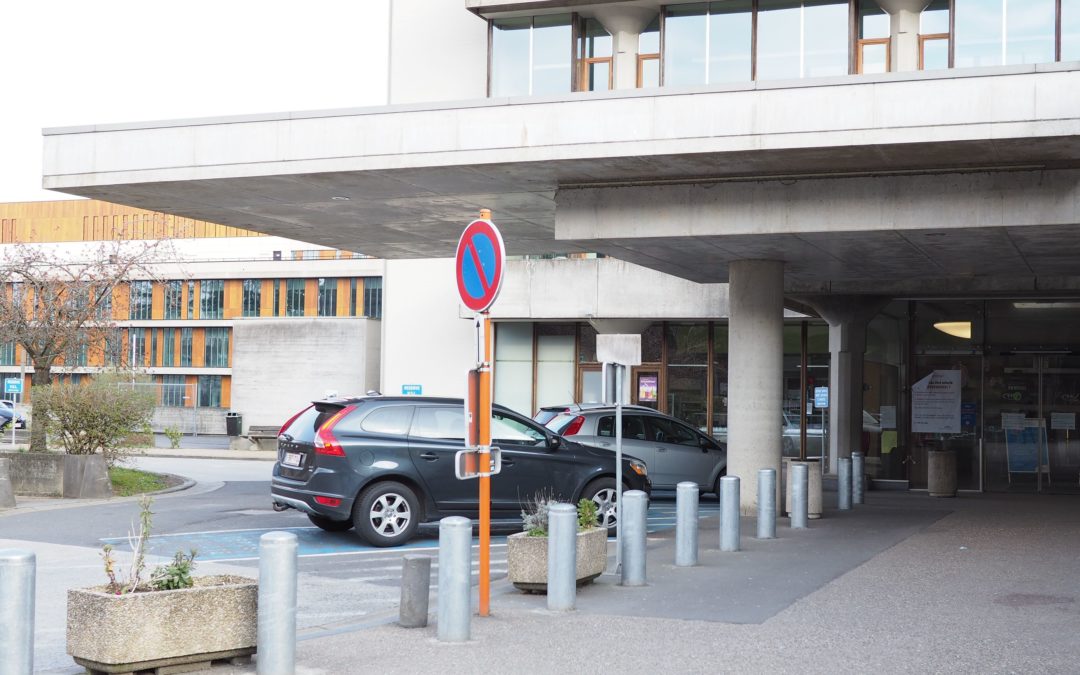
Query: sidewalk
x,y
905,583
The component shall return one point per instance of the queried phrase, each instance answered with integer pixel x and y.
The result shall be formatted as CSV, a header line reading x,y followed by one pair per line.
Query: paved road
x,y
343,581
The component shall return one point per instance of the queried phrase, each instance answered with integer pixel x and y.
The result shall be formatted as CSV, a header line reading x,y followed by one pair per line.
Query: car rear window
x,y
545,416
559,422
303,428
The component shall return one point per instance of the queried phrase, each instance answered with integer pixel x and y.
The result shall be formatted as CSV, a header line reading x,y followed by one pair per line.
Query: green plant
x,y
174,435
175,575
127,482
97,416
534,514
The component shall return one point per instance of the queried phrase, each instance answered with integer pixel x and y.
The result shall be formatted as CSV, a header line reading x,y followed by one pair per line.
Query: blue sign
x,y
1022,448
479,263
412,390
13,386
821,397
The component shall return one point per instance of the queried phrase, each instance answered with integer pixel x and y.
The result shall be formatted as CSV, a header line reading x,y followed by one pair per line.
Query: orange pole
x,y
485,465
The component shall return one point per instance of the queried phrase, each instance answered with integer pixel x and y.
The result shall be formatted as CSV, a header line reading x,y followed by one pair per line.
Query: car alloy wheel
x,y
387,514
602,493
390,515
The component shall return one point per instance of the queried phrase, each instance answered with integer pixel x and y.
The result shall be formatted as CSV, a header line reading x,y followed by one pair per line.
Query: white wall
x,y
425,340
281,365
438,52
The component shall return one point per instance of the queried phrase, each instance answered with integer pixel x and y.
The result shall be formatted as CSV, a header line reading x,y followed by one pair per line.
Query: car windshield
x,y
510,430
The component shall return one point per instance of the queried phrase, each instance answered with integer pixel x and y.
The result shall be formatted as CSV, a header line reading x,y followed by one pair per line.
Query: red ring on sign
x,y
467,247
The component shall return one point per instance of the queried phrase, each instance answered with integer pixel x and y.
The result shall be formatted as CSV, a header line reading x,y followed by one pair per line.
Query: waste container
x,y
234,423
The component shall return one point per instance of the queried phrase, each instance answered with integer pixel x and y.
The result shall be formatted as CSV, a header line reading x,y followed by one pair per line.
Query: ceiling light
x,y
340,199
960,329
1046,305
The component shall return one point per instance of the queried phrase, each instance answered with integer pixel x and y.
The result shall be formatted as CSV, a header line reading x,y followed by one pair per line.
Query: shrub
x,y
534,514
98,416
172,576
174,436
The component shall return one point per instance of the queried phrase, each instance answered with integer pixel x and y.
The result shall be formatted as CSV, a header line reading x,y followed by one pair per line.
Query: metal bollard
x,y
729,513
857,480
562,557
455,579
686,524
415,591
800,495
843,484
276,638
17,572
766,504
634,516
7,496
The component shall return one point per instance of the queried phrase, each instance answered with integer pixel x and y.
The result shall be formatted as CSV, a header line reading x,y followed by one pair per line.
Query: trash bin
x,y
234,423
941,473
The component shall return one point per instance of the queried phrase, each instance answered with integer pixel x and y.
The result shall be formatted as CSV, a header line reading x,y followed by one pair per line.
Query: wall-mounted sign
x,y
647,388
1063,421
13,386
412,390
821,397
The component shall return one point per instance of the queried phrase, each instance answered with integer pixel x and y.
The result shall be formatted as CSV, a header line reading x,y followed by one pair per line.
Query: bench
x,y
263,437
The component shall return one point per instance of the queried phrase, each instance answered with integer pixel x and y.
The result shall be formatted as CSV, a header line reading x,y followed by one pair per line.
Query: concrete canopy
x,y
904,179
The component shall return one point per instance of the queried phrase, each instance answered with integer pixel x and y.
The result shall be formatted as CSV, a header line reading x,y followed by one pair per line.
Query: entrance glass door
x,y
938,425
1032,402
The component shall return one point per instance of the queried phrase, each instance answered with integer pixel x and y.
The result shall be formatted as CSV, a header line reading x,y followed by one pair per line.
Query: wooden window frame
x,y
641,59
583,72
923,39
859,44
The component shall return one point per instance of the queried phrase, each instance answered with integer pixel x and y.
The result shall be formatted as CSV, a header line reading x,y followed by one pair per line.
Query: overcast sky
x,y
73,62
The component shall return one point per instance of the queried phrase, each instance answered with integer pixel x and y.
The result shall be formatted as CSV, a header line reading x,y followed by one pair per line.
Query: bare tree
x,y
54,301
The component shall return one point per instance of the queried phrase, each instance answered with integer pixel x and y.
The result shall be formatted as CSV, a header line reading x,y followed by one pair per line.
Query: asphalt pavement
x,y
904,583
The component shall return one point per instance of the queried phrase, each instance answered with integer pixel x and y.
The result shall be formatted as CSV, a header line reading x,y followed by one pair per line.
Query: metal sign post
x,y
479,264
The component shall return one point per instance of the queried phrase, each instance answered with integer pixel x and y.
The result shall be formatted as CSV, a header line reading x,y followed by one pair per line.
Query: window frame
x,y
865,42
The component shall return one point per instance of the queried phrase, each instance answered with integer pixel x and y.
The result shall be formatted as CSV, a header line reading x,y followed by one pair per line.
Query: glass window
x,y
1004,32
388,420
873,46
74,356
252,300
509,430
352,296
531,55
173,390
138,346
731,30
174,298
649,55
934,20
114,347
327,297
874,22
1070,30
191,299
662,430
802,39
439,422
633,427
209,391
185,347
212,300
685,45
7,354
153,346
216,348
294,297
687,373
594,53
168,347
935,53
277,297
373,297
141,300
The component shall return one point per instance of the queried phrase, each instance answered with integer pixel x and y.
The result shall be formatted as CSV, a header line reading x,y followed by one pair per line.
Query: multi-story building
x,y
220,316
906,171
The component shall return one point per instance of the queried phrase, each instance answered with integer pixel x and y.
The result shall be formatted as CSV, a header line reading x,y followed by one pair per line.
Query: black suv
x,y
386,464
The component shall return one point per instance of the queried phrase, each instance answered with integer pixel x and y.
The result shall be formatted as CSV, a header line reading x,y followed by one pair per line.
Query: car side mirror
x,y
553,442
704,443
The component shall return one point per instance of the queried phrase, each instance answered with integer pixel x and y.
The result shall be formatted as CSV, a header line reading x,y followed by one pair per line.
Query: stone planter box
x,y
55,474
216,619
813,496
526,559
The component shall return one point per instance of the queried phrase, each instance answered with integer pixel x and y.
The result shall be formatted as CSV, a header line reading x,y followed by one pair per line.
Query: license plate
x,y
292,459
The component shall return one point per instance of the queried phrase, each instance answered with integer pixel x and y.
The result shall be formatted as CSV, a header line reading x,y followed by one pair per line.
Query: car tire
x,y
387,514
602,493
716,486
324,523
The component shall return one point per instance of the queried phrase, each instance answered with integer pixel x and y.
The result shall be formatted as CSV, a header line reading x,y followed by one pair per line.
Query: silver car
x,y
673,450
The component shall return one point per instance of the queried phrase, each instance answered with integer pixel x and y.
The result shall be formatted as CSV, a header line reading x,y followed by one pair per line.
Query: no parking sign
x,y
480,259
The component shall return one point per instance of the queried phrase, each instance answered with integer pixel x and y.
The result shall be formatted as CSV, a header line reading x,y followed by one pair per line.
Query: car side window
x,y
392,420
439,422
605,426
510,430
633,427
666,431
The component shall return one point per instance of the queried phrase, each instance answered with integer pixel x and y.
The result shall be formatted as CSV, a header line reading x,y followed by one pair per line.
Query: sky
x,y
74,62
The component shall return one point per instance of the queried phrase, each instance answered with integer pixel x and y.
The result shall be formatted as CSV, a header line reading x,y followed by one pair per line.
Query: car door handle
x,y
661,449
506,461
429,456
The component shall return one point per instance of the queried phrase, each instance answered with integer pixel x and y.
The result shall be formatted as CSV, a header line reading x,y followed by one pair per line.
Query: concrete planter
x,y
941,473
55,474
813,497
526,559
216,619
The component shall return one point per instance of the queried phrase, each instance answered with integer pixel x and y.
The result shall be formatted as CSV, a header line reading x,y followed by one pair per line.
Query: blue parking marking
x,y
244,544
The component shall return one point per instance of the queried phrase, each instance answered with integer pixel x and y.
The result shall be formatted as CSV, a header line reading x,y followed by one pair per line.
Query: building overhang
x,y
401,181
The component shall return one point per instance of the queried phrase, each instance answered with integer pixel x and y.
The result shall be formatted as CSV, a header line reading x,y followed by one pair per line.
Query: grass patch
x,y
127,482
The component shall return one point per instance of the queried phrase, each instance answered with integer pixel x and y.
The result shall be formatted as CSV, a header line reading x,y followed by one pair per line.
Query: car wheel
x,y
324,523
387,514
602,493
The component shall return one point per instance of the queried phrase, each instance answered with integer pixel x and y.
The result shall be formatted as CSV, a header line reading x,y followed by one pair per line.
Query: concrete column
x,y
755,371
847,317
904,25
625,24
